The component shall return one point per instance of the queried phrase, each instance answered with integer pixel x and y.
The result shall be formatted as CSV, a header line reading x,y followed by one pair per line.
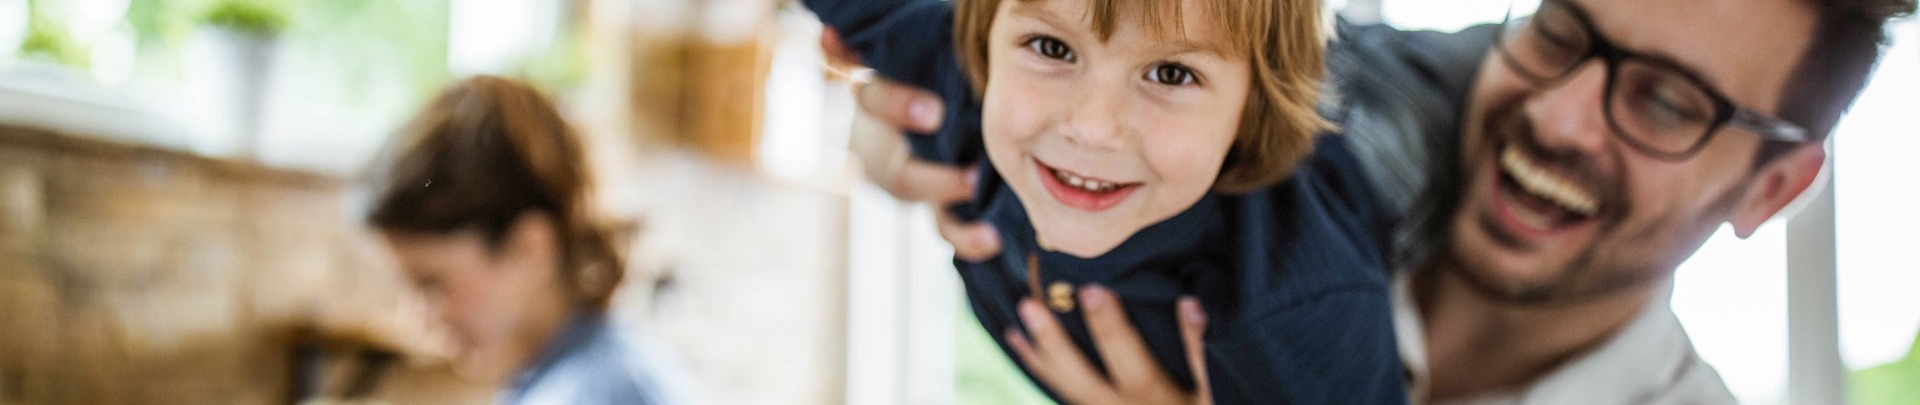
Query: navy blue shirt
x,y
1292,276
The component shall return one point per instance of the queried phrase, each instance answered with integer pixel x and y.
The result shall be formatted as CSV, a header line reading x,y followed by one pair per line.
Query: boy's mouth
x,y
1081,191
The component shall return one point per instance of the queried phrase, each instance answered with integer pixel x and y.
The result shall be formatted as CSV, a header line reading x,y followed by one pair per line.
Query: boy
x,y
1158,149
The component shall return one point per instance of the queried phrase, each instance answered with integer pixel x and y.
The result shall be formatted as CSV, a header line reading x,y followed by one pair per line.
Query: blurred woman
x,y
484,199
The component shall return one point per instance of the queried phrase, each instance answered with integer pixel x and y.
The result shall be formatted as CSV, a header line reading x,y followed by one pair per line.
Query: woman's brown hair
x,y
480,155
1283,40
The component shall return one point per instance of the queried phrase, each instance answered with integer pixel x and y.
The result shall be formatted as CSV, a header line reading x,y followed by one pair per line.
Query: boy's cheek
x,y
1013,113
1187,151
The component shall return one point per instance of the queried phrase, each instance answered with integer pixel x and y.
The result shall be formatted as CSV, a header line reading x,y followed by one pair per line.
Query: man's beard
x,y
1579,281
1591,274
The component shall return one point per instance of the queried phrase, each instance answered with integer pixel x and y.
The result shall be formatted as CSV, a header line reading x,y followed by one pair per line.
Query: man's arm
x,y
1399,96
910,41
890,165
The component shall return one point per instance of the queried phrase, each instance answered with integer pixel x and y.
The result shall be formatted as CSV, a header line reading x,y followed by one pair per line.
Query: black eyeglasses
x,y
1654,104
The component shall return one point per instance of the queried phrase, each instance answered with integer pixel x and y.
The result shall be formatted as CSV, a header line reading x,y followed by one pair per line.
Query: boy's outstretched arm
x,y
910,42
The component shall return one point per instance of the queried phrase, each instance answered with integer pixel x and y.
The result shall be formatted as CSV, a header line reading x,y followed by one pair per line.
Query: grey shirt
x,y
1398,96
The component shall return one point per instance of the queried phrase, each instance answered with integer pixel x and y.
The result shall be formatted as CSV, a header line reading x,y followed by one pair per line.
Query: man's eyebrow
x,y
1658,56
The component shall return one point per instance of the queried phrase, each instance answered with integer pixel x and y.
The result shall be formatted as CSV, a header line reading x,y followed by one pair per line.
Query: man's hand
x,y
1133,377
889,164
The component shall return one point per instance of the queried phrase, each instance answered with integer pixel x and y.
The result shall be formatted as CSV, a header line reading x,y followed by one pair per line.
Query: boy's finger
x,y
1193,330
1128,361
1070,374
903,106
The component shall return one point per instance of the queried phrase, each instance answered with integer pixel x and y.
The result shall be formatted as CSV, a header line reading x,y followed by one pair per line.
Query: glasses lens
x,y
1660,108
1547,43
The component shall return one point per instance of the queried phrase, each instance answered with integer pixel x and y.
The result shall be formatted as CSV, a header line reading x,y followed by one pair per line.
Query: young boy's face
x,y
1100,139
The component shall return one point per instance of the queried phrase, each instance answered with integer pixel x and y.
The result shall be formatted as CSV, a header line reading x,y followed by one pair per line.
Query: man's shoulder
x,y
1693,381
1650,361
1700,384
1398,96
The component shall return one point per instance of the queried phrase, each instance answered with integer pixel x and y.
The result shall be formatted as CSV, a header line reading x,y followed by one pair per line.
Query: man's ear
x,y
1778,185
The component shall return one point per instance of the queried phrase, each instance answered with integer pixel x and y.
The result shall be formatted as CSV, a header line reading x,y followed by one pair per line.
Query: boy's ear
x,y
1780,184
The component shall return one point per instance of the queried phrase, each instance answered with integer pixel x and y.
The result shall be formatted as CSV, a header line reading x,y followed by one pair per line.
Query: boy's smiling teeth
x,y
1541,183
1085,184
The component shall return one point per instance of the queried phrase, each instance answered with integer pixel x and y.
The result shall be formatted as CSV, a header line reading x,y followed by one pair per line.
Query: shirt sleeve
x,y
911,42
1398,97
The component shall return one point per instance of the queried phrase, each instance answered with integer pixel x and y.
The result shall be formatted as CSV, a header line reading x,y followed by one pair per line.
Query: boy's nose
x,y
1094,118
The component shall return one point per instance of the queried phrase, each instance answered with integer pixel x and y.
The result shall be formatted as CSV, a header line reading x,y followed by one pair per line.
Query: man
x,y
1553,171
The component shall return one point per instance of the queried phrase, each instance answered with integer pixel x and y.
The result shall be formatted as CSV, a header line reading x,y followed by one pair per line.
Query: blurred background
x,y
178,196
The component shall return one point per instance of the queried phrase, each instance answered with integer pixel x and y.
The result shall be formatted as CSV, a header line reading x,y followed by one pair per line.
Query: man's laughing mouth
x,y
1532,200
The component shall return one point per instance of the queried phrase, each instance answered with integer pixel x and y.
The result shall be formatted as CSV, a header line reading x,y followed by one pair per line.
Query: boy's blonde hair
x,y
1282,39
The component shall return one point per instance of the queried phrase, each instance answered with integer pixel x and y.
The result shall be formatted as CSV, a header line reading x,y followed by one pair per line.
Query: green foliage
x,y
376,37
1896,383
47,40
562,66
349,52
986,374
257,18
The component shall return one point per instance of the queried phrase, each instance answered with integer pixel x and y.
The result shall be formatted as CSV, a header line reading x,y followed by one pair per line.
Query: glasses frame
x,y
1725,111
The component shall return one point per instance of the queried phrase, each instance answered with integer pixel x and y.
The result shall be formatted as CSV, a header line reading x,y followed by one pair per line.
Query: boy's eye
x,y
1171,75
1051,48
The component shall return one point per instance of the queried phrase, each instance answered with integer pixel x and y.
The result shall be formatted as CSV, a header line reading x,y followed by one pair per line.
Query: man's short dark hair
x,y
1848,38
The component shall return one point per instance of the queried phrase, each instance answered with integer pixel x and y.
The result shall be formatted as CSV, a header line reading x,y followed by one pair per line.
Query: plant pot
x,y
229,75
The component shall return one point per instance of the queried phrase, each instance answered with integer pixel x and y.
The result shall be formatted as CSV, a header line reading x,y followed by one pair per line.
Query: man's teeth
x,y
1545,185
1090,185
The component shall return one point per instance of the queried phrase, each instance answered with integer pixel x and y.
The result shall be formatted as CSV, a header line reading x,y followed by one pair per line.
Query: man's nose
x,y
1093,120
1570,116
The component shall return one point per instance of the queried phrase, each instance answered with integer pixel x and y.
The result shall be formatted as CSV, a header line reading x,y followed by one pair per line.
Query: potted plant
x,y
232,65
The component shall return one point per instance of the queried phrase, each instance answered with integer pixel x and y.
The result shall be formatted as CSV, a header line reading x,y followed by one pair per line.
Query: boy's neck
x,y
1478,345
1176,235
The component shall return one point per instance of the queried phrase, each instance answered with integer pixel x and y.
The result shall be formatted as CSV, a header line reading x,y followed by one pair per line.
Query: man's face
x,y
1557,207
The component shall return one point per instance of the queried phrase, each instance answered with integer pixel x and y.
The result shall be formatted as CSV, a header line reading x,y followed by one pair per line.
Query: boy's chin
x,y
1081,243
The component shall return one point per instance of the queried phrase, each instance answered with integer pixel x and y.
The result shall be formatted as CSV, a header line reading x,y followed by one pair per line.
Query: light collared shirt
x,y
1650,361
594,362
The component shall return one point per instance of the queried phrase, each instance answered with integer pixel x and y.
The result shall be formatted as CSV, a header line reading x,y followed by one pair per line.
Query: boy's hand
x,y
889,164
1134,377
